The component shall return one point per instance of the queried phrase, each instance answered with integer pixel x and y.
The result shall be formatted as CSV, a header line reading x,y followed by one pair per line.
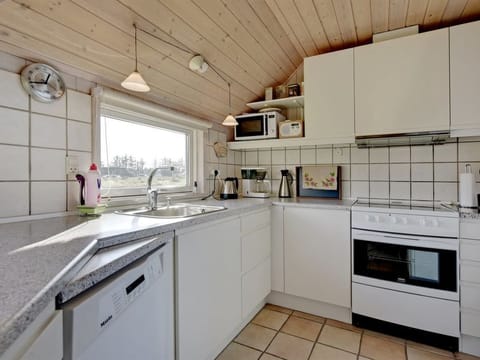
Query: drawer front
x,y
256,285
470,322
470,249
256,246
254,221
470,296
470,229
470,271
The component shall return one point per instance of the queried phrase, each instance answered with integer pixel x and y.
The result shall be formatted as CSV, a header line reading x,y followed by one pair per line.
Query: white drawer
x,y
256,246
470,249
254,221
256,285
470,322
470,271
470,229
470,296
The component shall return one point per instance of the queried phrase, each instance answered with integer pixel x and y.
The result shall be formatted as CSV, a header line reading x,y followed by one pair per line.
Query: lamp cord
x,y
136,57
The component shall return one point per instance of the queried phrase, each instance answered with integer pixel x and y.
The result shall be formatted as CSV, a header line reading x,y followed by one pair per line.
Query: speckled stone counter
x,y
39,257
315,203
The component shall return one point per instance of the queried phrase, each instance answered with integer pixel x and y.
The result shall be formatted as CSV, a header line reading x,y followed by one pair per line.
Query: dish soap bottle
x,y
92,186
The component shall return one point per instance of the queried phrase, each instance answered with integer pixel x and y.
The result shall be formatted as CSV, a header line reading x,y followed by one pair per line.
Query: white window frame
x,y
117,105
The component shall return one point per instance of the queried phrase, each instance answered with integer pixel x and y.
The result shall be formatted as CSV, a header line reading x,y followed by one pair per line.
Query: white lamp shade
x,y
230,121
135,82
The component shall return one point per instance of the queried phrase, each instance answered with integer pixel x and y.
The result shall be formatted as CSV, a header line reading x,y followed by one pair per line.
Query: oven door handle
x,y
432,243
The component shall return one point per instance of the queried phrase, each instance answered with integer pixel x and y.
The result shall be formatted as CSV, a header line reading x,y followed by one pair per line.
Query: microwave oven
x,y
257,126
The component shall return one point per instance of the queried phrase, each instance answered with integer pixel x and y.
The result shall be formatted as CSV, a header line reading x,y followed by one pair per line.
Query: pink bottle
x,y
92,186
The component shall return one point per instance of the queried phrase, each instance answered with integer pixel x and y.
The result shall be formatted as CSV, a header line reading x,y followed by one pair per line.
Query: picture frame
x,y
329,194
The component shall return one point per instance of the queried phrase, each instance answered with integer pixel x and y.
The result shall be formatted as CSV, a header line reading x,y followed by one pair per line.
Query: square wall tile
x,y
445,191
278,157
264,157
445,152
359,172
379,189
378,155
14,126
13,162
56,108
11,63
84,159
475,166
79,136
210,154
48,131
341,155
422,153
446,172
15,199
292,156
12,93
422,172
84,86
251,158
212,136
276,174
324,155
307,156
379,172
222,137
238,157
422,190
469,151
358,156
400,190
73,195
400,154
346,190
400,172
79,106
48,164
230,157
345,170
359,189
48,197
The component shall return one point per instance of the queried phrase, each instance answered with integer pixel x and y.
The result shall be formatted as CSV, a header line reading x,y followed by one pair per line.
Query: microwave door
x,y
251,126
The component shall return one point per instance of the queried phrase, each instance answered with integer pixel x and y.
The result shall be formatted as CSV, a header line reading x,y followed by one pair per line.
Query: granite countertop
x,y
315,203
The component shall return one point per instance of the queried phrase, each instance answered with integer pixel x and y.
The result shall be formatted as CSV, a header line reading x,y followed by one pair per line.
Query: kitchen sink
x,y
173,211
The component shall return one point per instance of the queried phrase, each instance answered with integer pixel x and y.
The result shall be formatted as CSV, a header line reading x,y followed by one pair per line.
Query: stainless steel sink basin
x,y
173,211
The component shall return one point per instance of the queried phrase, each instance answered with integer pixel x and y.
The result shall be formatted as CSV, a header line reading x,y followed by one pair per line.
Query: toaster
x,y
290,129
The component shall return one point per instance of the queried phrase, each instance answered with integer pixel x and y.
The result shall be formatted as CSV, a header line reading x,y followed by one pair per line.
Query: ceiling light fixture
x,y
198,64
229,120
134,81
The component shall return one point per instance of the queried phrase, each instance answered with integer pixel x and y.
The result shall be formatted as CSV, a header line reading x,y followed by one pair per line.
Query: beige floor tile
x,y
309,316
278,308
236,351
388,337
380,348
343,325
340,338
303,328
256,336
269,357
323,352
463,356
290,347
270,319
417,354
428,348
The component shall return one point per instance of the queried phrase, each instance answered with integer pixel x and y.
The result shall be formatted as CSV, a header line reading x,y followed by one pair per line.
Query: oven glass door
x,y
426,267
251,126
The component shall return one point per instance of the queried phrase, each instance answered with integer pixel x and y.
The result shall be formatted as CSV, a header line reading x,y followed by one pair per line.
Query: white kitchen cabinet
x,y
329,102
402,85
465,79
317,254
278,281
209,294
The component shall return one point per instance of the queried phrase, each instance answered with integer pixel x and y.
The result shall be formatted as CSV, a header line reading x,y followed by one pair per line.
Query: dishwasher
x,y
129,315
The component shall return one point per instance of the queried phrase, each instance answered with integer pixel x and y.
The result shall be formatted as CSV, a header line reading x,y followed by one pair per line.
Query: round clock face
x,y
42,82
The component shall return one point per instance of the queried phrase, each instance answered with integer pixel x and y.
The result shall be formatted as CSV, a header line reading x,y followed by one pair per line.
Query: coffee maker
x,y
254,183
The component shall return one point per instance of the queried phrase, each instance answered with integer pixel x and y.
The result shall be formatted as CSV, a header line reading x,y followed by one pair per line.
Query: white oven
x,y
405,272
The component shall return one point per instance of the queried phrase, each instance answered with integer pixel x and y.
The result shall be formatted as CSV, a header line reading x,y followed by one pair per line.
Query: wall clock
x,y
42,82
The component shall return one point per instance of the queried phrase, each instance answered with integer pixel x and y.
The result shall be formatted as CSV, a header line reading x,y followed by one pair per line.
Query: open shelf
x,y
288,102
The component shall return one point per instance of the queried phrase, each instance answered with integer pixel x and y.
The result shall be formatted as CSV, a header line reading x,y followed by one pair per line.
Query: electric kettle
x,y
230,188
285,190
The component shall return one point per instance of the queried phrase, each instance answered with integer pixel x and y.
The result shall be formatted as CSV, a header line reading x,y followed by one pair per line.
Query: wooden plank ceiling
x,y
253,43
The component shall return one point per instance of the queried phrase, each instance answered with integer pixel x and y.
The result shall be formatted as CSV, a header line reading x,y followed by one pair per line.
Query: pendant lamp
x,y
134,81
229,120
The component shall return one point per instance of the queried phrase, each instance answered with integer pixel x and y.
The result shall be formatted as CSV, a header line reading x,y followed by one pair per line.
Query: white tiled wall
x,y
413,173
35,139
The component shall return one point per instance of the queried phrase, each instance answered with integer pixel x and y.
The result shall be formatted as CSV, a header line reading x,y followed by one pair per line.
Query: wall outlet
x,y
71,165
214,172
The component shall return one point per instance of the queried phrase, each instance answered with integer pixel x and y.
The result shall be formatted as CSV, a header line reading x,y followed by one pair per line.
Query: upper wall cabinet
x,y
329,104
402,85
465,79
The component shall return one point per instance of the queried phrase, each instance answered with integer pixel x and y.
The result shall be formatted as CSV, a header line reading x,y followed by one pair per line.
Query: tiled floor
x,y
279,333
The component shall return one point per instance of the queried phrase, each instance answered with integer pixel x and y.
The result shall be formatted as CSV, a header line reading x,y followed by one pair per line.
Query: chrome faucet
x,y
152,194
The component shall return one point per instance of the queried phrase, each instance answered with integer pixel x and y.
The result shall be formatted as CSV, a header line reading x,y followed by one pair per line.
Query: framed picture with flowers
x,y
322,181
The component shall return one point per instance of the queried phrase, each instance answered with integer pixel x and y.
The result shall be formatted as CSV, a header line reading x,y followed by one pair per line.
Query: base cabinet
x,y
208,288
317,254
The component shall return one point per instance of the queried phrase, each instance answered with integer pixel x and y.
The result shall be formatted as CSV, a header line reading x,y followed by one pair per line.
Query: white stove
x,y
405,271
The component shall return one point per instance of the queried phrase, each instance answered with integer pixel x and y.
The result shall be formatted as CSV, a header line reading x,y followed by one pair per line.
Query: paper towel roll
x,y
466,191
